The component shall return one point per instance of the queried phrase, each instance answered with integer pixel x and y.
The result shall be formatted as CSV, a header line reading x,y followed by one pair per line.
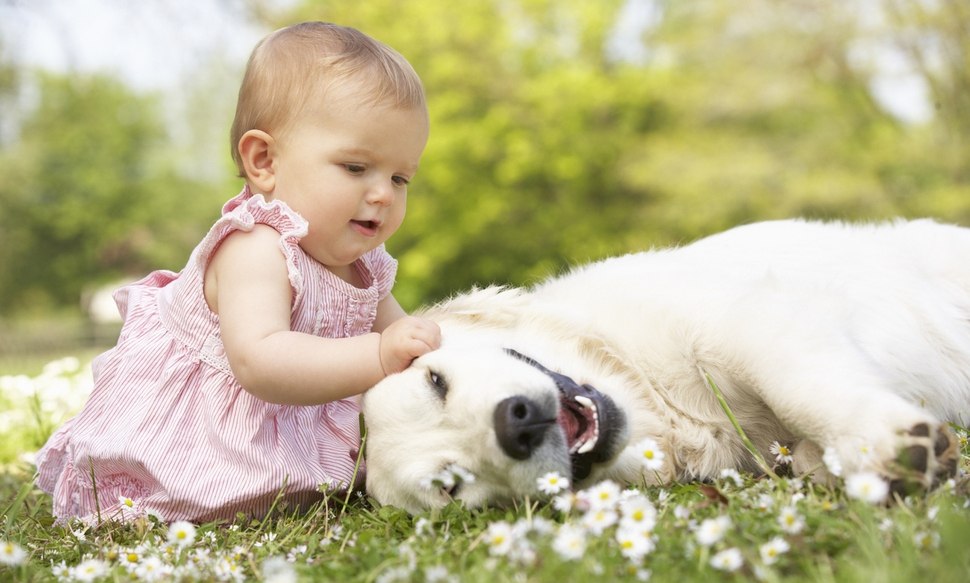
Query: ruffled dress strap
x,y
245,211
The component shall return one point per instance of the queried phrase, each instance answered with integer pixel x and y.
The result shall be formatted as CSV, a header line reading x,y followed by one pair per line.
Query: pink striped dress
x,y
168,427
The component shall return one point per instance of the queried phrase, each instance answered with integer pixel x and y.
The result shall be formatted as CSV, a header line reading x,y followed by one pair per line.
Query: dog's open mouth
x,y
591,422
579,419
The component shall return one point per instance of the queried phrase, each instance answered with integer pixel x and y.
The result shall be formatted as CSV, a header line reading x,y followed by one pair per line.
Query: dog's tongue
x,y
570,425
578,423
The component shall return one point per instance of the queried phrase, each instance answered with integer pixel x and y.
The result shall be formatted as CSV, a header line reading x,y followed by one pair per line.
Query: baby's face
x,y
345,168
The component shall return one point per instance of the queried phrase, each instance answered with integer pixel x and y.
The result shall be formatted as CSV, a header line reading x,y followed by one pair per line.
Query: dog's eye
x,y
438,382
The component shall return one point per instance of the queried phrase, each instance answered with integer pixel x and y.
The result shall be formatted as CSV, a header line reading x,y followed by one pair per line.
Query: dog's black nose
x,y
520,426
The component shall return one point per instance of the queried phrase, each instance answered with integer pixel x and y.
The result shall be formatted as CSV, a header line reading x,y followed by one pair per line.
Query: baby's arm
x,y
248,287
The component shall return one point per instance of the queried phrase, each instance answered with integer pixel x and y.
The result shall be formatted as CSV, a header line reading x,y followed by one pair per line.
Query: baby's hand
x,y
406,339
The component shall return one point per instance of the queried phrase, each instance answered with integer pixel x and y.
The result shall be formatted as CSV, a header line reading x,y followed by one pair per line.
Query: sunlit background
x,y
563,131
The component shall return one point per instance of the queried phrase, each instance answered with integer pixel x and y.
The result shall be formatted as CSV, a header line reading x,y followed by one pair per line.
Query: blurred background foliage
x,y
562,131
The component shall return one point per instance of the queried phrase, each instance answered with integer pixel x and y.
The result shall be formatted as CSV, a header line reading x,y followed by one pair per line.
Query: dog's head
x,y
481,424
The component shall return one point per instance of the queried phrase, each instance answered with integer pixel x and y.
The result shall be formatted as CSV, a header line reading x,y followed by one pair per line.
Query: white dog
x,y
849,340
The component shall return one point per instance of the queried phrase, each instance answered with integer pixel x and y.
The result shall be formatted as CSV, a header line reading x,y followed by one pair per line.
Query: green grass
x,y
842,539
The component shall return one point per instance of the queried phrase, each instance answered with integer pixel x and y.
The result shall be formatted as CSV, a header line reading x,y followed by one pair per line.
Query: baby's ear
x,y
257,150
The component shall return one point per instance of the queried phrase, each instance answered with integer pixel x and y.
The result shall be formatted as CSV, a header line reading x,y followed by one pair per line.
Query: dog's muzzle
x,y
590,421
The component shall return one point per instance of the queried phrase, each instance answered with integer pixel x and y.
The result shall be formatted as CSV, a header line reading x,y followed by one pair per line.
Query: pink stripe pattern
x,y
168,427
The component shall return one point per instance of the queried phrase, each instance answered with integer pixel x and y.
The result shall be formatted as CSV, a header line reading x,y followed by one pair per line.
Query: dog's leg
x,y
829,400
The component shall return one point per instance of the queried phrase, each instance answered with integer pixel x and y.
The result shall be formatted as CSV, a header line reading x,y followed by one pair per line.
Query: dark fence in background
x,y
52,336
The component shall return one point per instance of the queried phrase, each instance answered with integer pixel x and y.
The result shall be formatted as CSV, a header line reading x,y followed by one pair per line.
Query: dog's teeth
x,y
585,402
587,446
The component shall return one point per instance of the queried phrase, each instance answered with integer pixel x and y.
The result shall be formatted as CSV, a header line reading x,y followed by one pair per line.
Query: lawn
x,y
737,528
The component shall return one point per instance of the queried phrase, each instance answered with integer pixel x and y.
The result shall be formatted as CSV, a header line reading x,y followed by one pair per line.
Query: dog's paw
x,y
926,456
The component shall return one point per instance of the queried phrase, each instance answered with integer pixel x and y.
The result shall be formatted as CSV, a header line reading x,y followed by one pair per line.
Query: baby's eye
x,y
354,168
401,181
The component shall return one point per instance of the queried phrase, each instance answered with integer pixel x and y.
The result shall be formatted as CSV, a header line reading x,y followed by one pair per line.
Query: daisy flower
x,y
128,507
728,560
790,520
634,543
448,476
130,558
499,538
564,502
831,460
651,456
89,570
866,486
552,483
460,473
181,533
783,454
152,569
681,512
926,540
277,570
597,520
11,553
606,494
712,530
772,549
637,512
733,475
570,542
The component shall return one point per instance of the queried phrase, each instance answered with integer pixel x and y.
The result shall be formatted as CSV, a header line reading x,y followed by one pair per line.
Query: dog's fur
x,y
849,337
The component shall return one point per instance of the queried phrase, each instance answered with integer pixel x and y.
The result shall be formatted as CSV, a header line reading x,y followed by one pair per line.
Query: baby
x,y
236,380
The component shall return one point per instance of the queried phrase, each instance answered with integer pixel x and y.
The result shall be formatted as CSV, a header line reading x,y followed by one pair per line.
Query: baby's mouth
x,y
368,227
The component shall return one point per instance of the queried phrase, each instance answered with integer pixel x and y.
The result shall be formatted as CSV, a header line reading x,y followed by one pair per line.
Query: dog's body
x,y
854,339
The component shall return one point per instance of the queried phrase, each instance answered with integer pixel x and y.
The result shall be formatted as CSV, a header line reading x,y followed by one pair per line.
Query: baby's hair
x,y
293,64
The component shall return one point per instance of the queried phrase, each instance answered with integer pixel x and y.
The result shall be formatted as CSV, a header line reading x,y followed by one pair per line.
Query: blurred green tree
x,y
557,137
550,148
530,119
86,196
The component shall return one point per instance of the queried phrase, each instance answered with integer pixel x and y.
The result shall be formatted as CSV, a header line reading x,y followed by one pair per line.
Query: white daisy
x,y
460,473
728,560
926,540
564,502
89,570
606,494
500,538
651,456
277,570
712,530
831,460
790,520
11,553
153,569
637,512
597,520
733,475
866,486
634,543
783,453
570,542
181,533
772,549
552,483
